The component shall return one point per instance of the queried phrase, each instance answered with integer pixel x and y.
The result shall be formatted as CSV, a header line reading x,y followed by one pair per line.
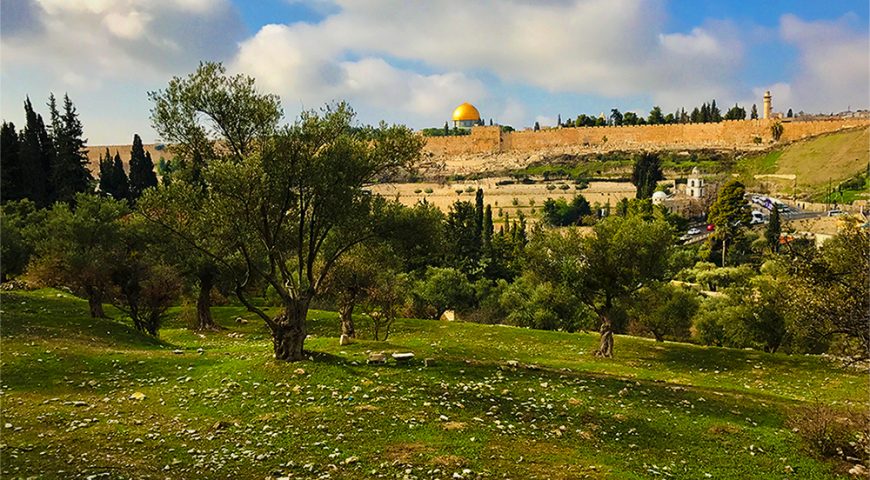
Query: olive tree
x,y
605,268
289,211
205,117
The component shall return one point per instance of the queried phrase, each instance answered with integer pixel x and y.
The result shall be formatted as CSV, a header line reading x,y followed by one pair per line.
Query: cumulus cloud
x,y
613,48
119,38
834,70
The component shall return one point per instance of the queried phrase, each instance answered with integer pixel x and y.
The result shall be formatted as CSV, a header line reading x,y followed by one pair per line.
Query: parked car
x,y
711,227
693,231
757,217
835,212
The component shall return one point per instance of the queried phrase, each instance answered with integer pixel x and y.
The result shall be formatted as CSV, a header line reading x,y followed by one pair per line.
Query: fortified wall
x,y
741,134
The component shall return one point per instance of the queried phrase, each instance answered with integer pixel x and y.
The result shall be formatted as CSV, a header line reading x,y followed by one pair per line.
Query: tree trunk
x,y
605,347
345,313
723,253
658,337
288,334
95,303
203,303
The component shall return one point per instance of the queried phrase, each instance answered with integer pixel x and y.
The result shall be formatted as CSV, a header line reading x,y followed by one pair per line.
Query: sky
x,y
413,62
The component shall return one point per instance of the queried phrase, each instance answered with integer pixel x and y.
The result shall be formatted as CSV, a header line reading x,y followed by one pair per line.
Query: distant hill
x,y
157,150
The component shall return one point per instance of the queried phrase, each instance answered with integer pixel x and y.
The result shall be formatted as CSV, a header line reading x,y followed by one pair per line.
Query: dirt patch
x,y
453,426
724,428
449,461
406,452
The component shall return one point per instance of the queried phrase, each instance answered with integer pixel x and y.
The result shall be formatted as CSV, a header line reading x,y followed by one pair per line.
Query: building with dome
x,y
466,116
659,197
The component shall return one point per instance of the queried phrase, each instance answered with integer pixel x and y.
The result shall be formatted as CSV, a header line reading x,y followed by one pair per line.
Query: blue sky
x,y
412,62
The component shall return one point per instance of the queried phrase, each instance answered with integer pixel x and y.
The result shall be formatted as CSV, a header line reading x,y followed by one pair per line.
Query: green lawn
x,y
222,408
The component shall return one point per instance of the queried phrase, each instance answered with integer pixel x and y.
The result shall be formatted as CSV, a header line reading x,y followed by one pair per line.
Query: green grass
x,y
230,411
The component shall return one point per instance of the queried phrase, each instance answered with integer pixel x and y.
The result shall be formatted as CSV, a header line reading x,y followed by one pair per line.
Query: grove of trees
x,y
279,217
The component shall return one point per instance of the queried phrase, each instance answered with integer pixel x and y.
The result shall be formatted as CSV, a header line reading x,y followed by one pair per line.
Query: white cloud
x,y
834,65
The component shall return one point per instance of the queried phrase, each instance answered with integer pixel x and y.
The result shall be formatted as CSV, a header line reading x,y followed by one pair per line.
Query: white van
x,y
757,217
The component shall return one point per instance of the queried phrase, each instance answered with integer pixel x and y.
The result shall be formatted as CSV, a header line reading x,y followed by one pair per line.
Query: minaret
x,y
767,98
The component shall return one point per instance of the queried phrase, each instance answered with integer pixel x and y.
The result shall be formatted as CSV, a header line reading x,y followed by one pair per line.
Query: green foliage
x,y
443,289
446,132
773,231
142,174
665,311
19,221
776,131
68,167
560,213
532,303
11,182
646,174
730,214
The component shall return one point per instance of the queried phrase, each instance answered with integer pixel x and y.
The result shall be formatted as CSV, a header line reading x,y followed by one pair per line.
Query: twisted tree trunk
x,y
203,303
288,331
605,346
95,303
345,313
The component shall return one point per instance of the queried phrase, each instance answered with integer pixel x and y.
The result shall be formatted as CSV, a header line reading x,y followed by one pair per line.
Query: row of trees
x,y
705,113
114,180
46,163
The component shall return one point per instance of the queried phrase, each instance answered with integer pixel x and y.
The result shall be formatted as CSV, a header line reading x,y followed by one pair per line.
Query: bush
x,y
470,189
418,191
564,187
428,190
832,433
515,201
551,187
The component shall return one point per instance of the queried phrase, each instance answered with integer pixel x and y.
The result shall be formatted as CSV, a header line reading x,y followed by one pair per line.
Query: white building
x,y
695,185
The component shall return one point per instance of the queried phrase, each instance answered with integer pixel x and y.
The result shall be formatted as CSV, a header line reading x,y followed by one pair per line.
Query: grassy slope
x,y
834,157
673,409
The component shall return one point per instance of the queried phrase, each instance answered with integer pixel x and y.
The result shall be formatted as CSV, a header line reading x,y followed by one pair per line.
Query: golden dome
x,y
466,111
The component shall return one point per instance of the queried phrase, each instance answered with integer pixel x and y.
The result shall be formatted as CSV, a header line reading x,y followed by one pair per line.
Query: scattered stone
x,y
858,470
137,396
178,352
512,363
79,403
376,358
219,425
403,357
345,340
349,460
428,362
299,371
241,321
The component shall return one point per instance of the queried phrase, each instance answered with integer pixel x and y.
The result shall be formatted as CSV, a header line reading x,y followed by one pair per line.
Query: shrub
x,y
418,191
832,433
458,191
428,190
564,187
470,189
756,140
515,201
551,187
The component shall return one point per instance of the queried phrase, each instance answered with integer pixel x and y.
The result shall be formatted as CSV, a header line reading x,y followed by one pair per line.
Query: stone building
x,y
466,116
695,184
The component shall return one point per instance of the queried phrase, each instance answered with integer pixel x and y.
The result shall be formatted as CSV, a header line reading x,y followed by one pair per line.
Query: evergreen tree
x,y
120,180
646,174
790,114
773,231
715,114
446,129
559,120
69,171
34,157
537,126
487,229
655,116
753,113
107,174
10,163
729,213
142,174
705,113
478,217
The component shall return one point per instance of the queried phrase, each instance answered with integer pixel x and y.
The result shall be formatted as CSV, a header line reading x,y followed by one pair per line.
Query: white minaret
x,y
767,105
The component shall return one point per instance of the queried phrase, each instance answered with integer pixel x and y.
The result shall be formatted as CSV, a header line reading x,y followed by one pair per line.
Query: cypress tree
x,y
646,174
773,231
487,229
142,174
69,170
715,114
107,174
119,180
478,217
10,163
753,113
34,157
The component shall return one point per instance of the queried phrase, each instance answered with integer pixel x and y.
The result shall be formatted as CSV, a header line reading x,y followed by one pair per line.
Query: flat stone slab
x,y
403,357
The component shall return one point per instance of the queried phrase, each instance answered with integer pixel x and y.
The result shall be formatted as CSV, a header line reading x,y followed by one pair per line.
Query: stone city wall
x,y
726,134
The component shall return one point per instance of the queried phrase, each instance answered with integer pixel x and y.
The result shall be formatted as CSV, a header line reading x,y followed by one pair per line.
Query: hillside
x,y
498,402
816,161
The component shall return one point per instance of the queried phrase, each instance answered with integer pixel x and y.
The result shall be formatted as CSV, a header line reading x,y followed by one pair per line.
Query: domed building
x,y
659,197
466,116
